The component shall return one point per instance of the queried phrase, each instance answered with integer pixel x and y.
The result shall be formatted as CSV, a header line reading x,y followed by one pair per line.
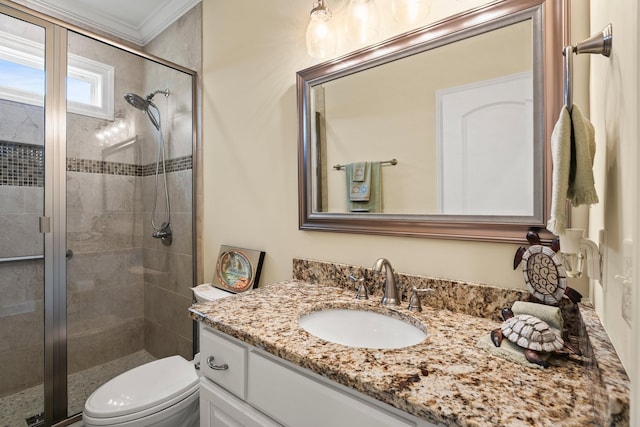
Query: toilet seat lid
x,y
155,384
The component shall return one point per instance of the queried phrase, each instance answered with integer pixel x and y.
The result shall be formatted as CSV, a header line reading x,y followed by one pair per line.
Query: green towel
x,y
582,190
573,147
546,313
561,160
360,186
507,350
374,204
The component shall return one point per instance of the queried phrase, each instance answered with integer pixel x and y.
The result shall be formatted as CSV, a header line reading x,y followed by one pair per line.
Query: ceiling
x,y
136,21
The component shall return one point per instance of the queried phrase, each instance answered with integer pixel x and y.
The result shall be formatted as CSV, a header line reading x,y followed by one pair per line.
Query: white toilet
x,y
162,393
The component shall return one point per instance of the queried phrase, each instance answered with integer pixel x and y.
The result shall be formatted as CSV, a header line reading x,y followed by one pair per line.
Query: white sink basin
x,y
359,328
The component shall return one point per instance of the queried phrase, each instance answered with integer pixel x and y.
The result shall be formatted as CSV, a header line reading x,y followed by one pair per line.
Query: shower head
x,y
143,104
137,101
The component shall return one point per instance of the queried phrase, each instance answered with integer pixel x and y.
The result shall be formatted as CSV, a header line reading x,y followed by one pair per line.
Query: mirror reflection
x,y
437,132
458,119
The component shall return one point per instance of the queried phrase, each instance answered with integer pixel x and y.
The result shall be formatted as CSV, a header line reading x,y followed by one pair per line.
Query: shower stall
x,y
97,250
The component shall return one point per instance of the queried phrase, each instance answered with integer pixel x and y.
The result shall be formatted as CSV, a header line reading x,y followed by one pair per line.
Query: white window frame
x,y
100,77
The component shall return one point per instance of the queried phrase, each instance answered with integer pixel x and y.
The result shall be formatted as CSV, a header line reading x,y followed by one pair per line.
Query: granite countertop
x,y
445,379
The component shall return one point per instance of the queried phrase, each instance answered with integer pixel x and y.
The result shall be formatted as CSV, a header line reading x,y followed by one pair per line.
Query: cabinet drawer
x,y
296,399
223,361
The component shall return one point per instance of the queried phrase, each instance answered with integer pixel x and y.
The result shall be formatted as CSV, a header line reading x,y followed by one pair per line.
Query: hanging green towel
x,y
360,186
374,188
582,189
573,147
561,160
359,170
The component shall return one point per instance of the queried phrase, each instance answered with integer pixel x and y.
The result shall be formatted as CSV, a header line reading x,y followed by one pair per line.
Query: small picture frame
x,y
237,269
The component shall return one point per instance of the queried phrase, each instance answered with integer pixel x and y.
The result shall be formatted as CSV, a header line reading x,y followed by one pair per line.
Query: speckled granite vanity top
x,y
445,379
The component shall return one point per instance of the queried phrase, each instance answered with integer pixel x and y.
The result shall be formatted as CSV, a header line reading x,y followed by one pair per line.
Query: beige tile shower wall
x,y
105,298
21,283
21,123
168,270
182,41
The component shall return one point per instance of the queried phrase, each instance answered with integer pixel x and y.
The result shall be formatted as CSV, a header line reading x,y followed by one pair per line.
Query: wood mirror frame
x,y
548,38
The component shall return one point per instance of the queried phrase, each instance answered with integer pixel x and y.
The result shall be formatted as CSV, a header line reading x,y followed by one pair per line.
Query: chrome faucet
x,y
390,294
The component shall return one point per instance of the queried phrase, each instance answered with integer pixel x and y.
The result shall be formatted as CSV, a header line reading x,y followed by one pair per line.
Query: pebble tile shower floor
x,y
14,409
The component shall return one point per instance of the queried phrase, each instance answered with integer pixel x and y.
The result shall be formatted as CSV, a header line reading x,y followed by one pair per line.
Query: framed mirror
x,y
449,124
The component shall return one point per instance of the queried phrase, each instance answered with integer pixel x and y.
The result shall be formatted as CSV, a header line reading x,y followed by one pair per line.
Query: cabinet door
x,y
219,408
296,399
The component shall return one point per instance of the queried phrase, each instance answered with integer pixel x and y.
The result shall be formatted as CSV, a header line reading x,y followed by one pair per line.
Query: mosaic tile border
x,y
23,165
116,168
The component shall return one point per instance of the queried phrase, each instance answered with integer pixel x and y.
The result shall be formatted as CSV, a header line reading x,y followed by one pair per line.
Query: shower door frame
x,y
53,222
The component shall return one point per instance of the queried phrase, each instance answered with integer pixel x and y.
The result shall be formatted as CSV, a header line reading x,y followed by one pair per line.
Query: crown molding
x,y
153,24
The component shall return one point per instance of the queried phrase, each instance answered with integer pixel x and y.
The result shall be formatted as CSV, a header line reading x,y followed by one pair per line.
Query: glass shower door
x,y
22,272
105,287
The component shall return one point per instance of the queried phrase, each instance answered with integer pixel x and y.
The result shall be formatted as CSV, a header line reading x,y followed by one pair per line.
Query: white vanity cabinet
x,y
218,408
245,386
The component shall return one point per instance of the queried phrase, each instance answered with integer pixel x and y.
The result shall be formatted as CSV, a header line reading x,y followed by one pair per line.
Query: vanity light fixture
x,y
321,33
362,21
574,249
409,11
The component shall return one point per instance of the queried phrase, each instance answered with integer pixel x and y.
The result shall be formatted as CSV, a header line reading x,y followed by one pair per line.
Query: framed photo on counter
x,y
237,269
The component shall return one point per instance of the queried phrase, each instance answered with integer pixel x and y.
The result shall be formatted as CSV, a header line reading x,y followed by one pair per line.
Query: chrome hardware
x,y
69,254
414,300
361,292
21,258
197,366
599,43
390,295
222,367
45,224
164,234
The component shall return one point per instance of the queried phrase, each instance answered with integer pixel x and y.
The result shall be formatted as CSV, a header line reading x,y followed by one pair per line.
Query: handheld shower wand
x,y
162,232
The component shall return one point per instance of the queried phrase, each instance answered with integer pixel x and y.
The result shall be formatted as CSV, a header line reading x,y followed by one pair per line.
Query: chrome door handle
x,y
222,367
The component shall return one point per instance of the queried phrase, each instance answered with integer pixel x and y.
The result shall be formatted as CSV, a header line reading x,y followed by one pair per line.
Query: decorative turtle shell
x,y
532,333
544,274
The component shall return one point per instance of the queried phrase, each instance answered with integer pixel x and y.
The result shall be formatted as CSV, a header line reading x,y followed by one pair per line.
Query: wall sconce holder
x,y
576,251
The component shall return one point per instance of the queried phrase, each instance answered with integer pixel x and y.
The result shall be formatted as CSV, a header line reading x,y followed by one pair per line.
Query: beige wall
x,y
250,156
614,112
250,172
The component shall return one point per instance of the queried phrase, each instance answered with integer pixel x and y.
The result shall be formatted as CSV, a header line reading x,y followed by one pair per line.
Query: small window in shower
x,y
90,84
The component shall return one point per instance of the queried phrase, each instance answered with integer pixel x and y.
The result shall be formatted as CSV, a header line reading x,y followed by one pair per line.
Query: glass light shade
x,y
409,11
573,264
321,34
362,21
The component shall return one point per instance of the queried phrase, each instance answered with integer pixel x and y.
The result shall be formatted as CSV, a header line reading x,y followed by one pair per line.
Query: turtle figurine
x,y
544,273
534,335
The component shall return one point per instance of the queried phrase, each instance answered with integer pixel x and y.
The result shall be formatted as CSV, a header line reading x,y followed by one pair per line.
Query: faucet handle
x,y
361,292
414,301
